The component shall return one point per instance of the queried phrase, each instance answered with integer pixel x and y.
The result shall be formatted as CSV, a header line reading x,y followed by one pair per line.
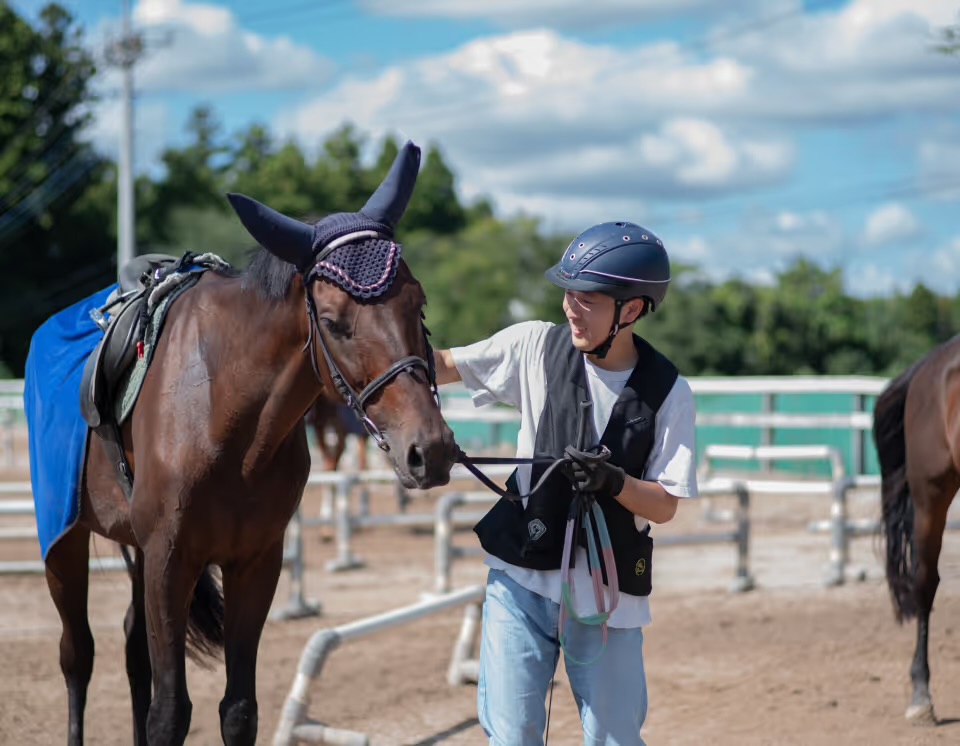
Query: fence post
x,y
345,559
442,538
6,423
840,545
463,665
744,580
766,433
297,606
859,438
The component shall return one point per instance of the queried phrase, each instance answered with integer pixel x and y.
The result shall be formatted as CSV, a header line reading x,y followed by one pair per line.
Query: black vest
x,y
533,537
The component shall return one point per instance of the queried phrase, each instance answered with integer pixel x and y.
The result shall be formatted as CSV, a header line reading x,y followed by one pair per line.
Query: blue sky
x,y
743,132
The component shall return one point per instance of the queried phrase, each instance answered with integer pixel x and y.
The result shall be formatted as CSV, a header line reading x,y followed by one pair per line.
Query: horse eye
x,y
335,328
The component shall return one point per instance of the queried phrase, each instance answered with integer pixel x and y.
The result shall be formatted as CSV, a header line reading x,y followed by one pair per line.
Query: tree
x,y
338,179
949,40
193,177
473,278
45,168
435,205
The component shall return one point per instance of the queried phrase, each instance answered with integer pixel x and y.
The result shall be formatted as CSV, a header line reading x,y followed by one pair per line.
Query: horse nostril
x,y
415,459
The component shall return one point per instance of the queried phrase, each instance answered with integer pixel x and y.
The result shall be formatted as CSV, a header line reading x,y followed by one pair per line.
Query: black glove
x,y
592,472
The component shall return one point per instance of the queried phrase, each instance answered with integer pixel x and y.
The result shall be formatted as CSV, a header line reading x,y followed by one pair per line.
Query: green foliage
x,y
50,181
207,229
949,40
473,279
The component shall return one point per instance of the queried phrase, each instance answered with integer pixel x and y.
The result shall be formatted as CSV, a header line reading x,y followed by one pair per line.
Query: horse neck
x,y
272,370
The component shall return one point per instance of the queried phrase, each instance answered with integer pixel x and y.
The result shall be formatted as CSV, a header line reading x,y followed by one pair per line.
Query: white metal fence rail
x,y
445,551
858,421
295,725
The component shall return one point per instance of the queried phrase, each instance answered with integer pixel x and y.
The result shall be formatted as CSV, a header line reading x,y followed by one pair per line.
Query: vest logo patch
x,y
641,567
536,529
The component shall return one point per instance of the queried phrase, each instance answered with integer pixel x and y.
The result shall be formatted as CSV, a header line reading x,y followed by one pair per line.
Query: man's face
x,y
590,316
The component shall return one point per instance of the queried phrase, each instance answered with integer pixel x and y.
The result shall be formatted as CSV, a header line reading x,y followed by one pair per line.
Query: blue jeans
x,y
518,656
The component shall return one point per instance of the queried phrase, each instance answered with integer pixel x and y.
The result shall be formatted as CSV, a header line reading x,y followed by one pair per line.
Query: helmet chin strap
x,y
601,350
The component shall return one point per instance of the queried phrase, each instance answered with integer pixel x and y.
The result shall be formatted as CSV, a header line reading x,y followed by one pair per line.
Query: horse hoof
x,y
921,715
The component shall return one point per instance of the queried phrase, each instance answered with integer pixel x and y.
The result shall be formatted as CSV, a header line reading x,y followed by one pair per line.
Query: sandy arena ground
x,y
791,662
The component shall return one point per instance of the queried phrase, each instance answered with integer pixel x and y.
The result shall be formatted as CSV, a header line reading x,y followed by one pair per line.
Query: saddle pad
x,y
129,387
57,432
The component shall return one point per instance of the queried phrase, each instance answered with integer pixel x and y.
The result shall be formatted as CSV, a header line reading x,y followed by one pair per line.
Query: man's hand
x,y
592,472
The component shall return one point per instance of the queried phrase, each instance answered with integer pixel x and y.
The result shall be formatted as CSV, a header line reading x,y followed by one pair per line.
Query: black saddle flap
x,y
108,362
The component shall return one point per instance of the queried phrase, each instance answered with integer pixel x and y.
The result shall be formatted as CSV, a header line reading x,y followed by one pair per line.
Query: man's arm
x,y
593,473
648,500
446,369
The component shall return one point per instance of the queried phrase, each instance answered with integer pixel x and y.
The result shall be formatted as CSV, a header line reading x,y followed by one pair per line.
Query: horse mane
x,y
269,275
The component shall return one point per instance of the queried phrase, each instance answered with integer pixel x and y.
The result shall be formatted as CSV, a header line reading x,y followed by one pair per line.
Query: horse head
x,y
367,339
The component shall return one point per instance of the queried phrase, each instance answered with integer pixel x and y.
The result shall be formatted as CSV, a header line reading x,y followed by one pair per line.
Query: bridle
x,y
357,401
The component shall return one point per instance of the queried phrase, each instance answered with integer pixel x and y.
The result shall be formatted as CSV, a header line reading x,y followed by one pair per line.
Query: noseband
x,y
357,401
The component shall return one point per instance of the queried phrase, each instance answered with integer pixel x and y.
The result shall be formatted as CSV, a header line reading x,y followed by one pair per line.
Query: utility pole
x,y
124,53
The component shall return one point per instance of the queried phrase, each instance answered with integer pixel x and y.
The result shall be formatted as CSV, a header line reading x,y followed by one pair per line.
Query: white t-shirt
x,y
509,368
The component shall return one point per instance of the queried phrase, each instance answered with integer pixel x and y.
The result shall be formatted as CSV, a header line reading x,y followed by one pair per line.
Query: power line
x,y
843,196
331,10
46,193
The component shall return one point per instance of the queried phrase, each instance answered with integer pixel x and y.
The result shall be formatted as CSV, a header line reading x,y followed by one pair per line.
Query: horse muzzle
x,y
425,460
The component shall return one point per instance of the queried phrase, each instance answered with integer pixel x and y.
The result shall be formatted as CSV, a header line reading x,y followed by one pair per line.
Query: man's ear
x,y
631,310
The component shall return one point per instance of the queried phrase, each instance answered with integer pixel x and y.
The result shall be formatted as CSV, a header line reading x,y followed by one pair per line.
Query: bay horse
x,y
916,430
218,448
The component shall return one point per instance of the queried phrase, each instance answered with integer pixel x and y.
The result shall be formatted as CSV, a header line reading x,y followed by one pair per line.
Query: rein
x,y
471,462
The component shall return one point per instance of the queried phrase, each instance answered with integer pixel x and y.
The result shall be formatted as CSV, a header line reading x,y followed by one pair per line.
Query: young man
x,y
643,412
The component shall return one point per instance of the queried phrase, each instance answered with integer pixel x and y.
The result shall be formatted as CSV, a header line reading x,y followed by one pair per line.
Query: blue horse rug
x,y
57,432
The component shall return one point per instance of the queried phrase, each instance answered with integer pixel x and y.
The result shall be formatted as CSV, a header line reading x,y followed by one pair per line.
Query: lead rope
x,y
583,508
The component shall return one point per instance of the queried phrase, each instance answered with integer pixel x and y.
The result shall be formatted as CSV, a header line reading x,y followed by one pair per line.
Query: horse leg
x,y
361,453
248,591
138,655
329,455
339,445
168,589
68,577
320,434
930,504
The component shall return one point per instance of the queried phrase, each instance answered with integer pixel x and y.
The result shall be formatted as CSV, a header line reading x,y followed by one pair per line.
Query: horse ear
x,y
388,203
283,237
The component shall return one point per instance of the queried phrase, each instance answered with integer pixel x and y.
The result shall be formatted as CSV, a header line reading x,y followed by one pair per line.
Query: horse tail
x,y
896,503
205,620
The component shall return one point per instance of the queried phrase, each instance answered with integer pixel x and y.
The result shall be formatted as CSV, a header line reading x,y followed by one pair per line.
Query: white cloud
x,y
151,127
944,268
939,161
873,280
890,224
785,235
761,244
757,247
868,59
566,13
562,214
695,250
533,116
208,52
684,158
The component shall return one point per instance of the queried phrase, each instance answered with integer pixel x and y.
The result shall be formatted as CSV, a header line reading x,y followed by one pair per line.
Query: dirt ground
x,y
791,662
